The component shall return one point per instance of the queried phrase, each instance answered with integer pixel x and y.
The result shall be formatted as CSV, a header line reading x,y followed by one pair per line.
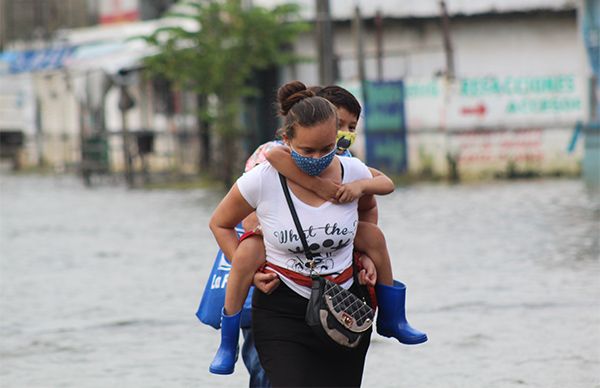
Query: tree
x,y
218,58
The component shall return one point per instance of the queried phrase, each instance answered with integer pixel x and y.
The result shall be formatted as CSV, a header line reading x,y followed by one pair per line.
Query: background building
x,y
499,91
30,23
519,79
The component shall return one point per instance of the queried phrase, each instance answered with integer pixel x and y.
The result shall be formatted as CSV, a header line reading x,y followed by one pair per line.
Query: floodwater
x,y
99,286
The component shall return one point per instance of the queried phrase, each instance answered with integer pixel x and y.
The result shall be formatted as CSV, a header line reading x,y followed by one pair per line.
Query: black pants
x,y
292,354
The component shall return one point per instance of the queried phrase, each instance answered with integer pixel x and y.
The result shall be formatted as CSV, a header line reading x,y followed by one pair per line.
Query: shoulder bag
x,y
336,315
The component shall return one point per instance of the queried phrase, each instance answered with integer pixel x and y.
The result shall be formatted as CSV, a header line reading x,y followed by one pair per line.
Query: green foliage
x,y
221,54
218,57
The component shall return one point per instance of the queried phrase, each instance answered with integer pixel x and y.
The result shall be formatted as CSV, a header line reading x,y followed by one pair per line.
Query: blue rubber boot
x,y
224,361
391,318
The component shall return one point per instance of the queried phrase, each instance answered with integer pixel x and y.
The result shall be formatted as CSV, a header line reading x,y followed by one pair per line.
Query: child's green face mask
x,y
344,140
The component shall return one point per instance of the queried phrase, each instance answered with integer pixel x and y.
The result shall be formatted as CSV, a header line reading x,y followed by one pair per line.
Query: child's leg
x,y
370,240
391,295
249,256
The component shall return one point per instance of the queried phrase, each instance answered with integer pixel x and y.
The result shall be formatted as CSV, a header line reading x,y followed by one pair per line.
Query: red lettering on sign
x,y
478,110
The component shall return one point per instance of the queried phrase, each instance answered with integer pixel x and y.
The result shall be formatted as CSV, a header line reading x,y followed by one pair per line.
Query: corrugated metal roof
x,y
344,9
121,32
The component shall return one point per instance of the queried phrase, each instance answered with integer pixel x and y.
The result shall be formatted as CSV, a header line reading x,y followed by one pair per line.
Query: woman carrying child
x,y
285,344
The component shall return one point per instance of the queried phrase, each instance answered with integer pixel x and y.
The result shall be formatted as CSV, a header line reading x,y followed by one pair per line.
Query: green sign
x,y
491,86
544,105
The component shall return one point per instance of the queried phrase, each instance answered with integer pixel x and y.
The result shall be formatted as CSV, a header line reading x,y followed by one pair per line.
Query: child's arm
x,y
367,209
281,159
380,184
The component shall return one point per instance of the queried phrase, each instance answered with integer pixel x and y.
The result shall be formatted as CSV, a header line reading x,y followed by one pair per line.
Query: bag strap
x,y
288,198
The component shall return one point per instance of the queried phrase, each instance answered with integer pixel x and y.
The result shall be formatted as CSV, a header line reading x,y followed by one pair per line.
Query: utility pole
x,y
447,41
359,50
324,36
126,103
4,9
452,156
379,44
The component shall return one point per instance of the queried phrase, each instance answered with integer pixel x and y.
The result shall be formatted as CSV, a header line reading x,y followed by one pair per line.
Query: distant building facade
x,y
520,85
27,22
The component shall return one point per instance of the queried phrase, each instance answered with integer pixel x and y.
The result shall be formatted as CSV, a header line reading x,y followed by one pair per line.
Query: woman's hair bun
x,y
290,94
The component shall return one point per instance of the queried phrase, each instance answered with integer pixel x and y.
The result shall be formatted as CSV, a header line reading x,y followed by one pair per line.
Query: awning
x,y
15,62
109,57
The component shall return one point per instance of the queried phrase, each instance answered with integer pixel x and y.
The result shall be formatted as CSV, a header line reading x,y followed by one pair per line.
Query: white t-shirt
x,y
329,228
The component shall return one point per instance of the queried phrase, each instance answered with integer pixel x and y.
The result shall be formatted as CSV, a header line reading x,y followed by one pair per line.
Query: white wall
x,y
538,46
59,118
17,103
486,45
523,46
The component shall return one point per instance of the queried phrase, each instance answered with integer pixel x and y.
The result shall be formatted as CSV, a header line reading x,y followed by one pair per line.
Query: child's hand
x,y
349,192
367,275
327,189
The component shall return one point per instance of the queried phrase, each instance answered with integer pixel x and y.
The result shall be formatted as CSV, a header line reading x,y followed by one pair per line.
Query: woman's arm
x,y
232,209
281,159
380,184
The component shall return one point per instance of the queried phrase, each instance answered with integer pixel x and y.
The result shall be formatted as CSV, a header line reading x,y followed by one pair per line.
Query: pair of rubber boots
x,y
391,322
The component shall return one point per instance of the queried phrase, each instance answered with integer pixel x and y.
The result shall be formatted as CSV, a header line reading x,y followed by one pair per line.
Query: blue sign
x,y
386,151
385,126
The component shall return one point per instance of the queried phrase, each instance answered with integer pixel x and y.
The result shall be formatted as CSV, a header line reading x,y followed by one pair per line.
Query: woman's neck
x,y
333,171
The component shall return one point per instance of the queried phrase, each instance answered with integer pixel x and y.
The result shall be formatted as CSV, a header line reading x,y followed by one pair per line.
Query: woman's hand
x,y
349,192
267,282
367,275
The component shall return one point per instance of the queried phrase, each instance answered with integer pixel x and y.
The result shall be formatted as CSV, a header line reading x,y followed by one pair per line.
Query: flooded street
x,y
99,286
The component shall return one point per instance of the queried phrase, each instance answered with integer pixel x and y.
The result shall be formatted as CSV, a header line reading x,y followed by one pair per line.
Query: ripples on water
x,y
99,287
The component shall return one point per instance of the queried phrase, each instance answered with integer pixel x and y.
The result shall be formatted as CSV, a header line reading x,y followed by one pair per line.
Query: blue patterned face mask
x,y
312,166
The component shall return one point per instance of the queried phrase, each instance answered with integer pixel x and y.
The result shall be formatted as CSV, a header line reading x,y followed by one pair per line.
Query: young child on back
x,y
250,254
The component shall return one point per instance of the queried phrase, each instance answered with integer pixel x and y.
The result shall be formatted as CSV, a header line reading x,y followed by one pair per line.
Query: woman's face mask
x,y
312,166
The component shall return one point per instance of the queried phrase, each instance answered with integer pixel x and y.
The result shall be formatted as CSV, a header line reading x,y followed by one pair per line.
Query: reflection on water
x,y
99,287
